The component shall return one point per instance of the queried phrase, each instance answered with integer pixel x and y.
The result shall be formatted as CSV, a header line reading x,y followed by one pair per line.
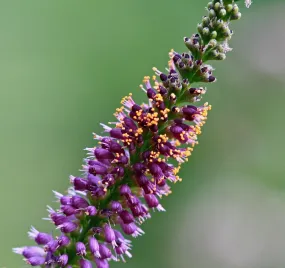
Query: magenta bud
x,y
80,249
65,200
40,238
80,184
116,206
101,263
105,252
58,219
79,202
68,227
63,260
109,234
85,264
129,229
116,147
97,169
151,200
29,252
137,211
51,246
68,210
126,217
91,211
94,246
116,133
133,200
63,241
36,261
125,190
102,154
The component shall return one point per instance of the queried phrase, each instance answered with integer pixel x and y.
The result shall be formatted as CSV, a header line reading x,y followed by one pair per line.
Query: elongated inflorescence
x,y
131,167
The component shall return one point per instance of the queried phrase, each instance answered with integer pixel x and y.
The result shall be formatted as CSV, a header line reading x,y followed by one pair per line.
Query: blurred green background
x,y
64,66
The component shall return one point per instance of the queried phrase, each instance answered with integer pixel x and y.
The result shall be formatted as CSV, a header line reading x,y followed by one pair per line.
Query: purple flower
x,y
94,247
101,263
85,264
63,241
80,249
109,235
35,261
63,260
68,227
29,252
105,252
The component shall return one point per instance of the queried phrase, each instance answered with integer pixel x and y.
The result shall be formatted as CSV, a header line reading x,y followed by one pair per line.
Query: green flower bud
x,y
206,31
212,43
221,56
229,8
212,14
212,55
236,16
235,9
206,21
223,13
218,24
214,34
220,48
217,6
210,5
200,28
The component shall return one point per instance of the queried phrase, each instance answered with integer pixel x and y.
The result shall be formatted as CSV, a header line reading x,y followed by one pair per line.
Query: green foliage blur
x,y
64,66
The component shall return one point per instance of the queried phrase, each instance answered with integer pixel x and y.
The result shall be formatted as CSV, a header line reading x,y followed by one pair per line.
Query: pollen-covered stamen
x,y
128,101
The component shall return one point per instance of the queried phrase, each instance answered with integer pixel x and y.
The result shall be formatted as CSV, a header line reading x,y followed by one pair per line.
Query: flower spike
x,y
132,166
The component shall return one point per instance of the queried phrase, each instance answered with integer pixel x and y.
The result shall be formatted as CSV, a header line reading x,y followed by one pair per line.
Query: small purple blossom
x,y
40,238
80,249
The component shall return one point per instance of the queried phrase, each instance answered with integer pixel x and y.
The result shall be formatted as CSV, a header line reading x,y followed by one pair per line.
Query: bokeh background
x,y
64,66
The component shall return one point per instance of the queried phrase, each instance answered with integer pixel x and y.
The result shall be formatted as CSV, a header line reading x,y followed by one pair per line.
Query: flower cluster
x,y
131,167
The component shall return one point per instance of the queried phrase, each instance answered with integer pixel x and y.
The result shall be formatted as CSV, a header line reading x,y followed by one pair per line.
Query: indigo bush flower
x,y
130,169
